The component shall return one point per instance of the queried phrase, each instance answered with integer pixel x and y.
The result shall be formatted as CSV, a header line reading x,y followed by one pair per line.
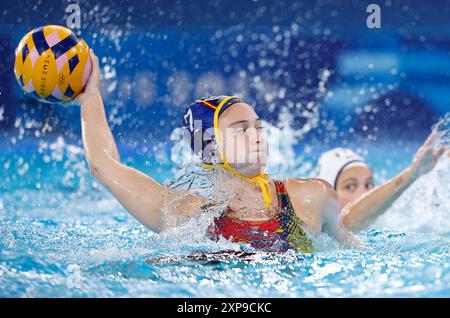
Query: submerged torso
x,y
278,234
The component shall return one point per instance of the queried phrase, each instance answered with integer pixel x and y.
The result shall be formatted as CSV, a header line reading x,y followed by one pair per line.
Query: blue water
x,y
63,235
315,71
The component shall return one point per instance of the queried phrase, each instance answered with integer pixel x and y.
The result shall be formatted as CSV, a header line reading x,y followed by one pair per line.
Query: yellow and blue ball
x,y
52,63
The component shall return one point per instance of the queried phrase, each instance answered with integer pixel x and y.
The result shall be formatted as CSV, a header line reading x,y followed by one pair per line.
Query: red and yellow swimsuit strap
x,y
283,198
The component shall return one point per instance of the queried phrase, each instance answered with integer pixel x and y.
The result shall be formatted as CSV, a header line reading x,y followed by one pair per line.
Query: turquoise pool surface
x,y
63,235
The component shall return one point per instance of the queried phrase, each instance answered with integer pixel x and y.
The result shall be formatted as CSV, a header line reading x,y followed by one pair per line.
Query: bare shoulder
x,y
309,187
309,198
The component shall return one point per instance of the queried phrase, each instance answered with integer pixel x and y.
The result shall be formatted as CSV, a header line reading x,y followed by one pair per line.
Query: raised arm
x,y
139,194
362,212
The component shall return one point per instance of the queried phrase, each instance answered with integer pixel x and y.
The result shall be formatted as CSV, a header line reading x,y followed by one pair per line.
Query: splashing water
x,y
57,243
62,234
68,236
425,206
443,131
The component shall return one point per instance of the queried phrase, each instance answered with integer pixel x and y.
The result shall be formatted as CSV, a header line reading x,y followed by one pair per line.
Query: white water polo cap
x,y
335,161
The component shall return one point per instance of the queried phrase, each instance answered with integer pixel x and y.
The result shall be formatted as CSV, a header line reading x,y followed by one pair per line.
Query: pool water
x,y
63,235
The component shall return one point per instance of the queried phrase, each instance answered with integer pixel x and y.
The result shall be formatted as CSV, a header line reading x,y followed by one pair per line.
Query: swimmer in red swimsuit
x,y
226,134
277,234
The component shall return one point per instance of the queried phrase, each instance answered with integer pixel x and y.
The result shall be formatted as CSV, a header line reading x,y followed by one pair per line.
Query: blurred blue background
x,y
315,62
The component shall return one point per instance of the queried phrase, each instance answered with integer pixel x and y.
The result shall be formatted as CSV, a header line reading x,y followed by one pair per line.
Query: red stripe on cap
x,y
208,104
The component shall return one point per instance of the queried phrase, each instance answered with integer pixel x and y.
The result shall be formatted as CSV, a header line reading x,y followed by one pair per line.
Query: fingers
x,y
95,63
427,149
431,138
93,57
93,81
440,152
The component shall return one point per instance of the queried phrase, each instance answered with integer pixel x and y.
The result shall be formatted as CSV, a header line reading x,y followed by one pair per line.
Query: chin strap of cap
x,y
261,179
